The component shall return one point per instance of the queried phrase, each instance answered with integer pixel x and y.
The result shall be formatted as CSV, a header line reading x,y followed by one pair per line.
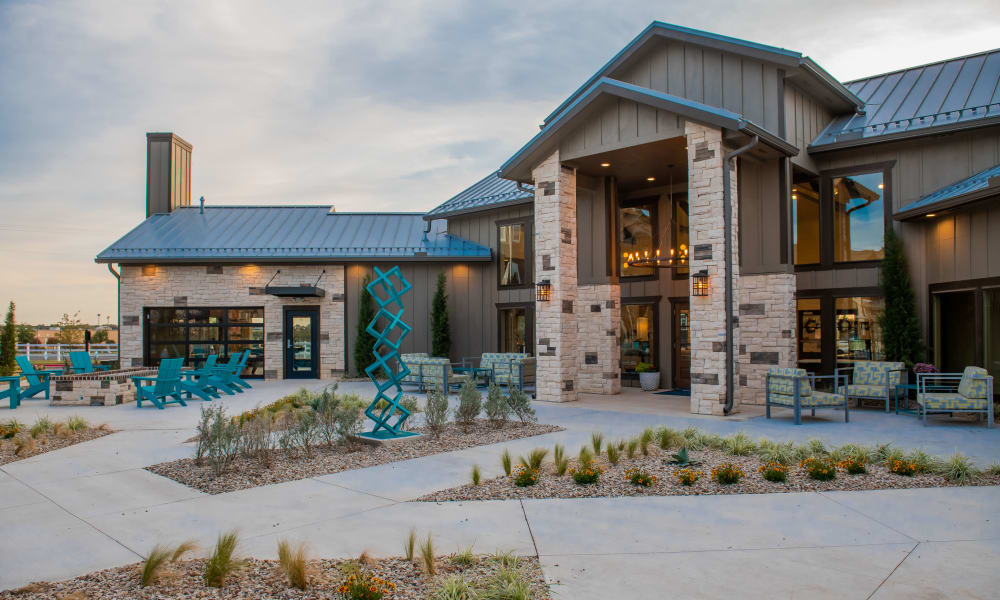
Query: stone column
x,y
708,313
598,314
766,332
555,260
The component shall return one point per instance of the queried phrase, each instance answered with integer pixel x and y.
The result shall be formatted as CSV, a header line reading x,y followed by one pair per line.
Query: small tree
x,y
100,336
364,343
70,329
8,343
901,339
25,334
470,404
440,328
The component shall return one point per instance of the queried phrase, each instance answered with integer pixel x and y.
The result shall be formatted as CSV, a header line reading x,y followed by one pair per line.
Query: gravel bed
x,y
47,442
263,579
251,472
613,482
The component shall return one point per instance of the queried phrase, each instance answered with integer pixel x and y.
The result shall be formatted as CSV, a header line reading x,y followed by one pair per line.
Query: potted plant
x,y
649,377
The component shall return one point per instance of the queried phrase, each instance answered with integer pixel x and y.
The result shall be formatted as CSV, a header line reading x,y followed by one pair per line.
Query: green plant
x,y
585,458
816,447
497,409
896,455
410,545
436,411
640,477
645,439
923,462
739,444
24,444
643,367
535,458
505,460
901,467
852,452
958,468
152,565
559,459
218,438
42,425
853,466
681,458
507,559
520,405
364,342
411,404
898,322
727,473
597,442
586,474
10,428
820,468
668,438
774,472
8,343
769,451
524,476
293,563
630,447
454,588
993,469
427,555
364,585
440,327
476,475
76,423
223,561
614,455
688,476
470,404
507,583
464,558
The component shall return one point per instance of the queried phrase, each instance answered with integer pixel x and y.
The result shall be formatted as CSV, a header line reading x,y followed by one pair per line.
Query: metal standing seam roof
x,y
487,193
273,233
952,93
956,193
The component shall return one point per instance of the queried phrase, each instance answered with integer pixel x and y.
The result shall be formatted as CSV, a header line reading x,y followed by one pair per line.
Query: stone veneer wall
x,y
555,260
598,314
708,313
766,331
101,388
239,286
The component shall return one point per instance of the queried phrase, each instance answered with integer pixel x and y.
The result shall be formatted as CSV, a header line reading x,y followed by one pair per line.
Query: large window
x,y
195,333
805,219
637,234
858,217
835,331
810,334
638,335
515,254
965,326
858,334
516,334
682,232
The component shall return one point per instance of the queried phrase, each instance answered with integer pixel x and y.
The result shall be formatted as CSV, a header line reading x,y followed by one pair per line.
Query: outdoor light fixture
x,y
699,283
651,179
929,215
148,270
605,164
543,290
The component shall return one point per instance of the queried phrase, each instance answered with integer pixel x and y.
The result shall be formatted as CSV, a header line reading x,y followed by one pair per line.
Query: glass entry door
x,y
682,344
301,343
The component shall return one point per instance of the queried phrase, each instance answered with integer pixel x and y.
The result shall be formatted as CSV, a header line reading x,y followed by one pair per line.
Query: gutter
x,y
727,215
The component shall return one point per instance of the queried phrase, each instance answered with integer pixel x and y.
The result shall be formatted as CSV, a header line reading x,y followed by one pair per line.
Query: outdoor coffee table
x,y
476,373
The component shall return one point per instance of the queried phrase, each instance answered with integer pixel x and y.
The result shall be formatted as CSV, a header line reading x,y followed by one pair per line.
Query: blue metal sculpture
x,y
386,349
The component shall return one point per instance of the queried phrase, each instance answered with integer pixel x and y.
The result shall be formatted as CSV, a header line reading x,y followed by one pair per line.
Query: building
x,y
768,181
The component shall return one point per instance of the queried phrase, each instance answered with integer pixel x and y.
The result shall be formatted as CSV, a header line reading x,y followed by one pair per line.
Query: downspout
x,y
727,216
118,311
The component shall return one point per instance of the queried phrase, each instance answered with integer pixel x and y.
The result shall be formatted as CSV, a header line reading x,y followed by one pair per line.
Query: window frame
x,y
527,223
654,215
529,329
978,287
675,229
828,312
653,301
187,342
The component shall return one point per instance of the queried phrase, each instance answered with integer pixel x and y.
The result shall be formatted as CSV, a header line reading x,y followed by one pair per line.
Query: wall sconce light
x,y
699,283
148,270
543,290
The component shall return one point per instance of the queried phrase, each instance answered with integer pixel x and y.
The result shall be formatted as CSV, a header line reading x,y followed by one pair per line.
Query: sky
x,y
363,105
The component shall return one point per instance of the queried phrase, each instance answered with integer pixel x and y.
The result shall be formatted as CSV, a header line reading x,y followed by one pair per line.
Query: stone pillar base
x,y
766,332
598,319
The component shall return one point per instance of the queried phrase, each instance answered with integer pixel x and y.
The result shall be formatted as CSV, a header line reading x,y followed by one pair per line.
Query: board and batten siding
x,y
594,231
805,119
964,244
618,123
760,198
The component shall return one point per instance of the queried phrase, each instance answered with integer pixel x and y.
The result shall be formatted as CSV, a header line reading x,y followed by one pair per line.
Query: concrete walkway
x,y
92,506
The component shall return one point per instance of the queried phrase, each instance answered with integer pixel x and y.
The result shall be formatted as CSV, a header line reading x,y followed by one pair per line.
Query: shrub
x,y
817,447
769,451
535,458
293,563
645,439
497,409
427,555
586,475
669,438
774,472
24,444
819,468
630,447
899,322
507,583
303,433
923,462
560,460
853,452
440,328
364,342
476,475
436,412
688,476
10,428
454,588
507,559
524,476
152,565
223,561
520,405
901,467
470,404
958,468
993,469
219,437
640,477
739,445
42,425
257,437
363,585
727,473
585,458
505,460
464,558
853,466
614,455
597,442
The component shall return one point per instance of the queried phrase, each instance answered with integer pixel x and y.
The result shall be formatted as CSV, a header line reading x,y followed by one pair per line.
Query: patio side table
x,y
476,373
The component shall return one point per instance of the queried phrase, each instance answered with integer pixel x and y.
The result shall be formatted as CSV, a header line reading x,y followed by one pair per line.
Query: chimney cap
x,y
168,135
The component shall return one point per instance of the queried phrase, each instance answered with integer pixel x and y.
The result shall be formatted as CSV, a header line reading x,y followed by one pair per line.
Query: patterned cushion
x,y
856,390
973,388
506,365
950,401
815,400
870,372
786,385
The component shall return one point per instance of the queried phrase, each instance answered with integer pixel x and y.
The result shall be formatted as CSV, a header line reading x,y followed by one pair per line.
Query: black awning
x,y
295,291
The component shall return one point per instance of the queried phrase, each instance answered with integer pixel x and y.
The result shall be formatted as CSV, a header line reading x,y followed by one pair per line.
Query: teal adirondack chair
x,y
80,363
38,380
13,390
203,382
166,388
227,373
238,374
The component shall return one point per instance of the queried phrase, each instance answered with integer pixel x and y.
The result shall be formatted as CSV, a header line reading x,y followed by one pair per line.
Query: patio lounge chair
x,y
873,379
202,382
429,372
974,393
38,380
13,391
238,374
166,388
228,374
510,368
794,388
80,363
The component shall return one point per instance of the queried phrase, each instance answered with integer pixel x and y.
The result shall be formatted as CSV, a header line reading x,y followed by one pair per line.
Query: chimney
x,y
168,173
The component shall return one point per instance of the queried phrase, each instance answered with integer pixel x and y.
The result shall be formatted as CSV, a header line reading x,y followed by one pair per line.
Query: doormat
x,y
675,392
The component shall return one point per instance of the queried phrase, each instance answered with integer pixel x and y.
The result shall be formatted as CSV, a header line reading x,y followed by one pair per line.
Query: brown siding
x,y
837,278
963,245
618,123
592,230
759,219
805,119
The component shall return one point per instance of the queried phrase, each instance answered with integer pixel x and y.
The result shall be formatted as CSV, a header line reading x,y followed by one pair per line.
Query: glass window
x,y
858,336
246,315
810,329
858,217
637,236
991,325
805,220
682,233
513,253
638,335
196,333
514,330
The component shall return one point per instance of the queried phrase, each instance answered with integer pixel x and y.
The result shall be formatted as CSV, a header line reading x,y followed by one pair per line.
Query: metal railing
x,y
59,352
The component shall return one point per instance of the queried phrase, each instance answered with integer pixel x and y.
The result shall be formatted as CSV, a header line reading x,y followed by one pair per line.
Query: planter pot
x,y
649,381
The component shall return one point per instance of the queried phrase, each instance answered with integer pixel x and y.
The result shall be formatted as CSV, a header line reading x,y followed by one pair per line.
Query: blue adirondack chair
x,y
238,374
203,382
80,363
13,390
227,373
166,388
38,380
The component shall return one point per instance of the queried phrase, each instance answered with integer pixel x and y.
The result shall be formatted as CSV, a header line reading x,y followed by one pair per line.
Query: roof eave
x,y
948,204
477,209
769,138
904,135
851,102
204,260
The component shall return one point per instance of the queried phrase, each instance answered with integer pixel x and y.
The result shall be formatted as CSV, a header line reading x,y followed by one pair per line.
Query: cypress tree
x,y
440,328
901,339
8,343
364,343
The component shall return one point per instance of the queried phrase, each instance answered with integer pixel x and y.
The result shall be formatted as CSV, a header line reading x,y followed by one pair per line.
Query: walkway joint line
x,y
881,583
867,516
534,544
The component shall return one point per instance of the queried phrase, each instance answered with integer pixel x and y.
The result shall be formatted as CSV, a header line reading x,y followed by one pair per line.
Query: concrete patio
x,y
92,506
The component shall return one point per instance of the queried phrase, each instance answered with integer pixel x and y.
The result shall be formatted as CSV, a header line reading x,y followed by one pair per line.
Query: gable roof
x,y
488,193
659,29
983,184
288,234
952,94
605,86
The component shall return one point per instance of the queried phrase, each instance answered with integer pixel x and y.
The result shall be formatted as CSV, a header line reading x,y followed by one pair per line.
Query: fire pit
x,y
97,389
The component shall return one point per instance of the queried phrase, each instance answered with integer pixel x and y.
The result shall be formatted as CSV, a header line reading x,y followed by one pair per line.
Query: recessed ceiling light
x,y
605,164
651,179
880,186
795,197
929,215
